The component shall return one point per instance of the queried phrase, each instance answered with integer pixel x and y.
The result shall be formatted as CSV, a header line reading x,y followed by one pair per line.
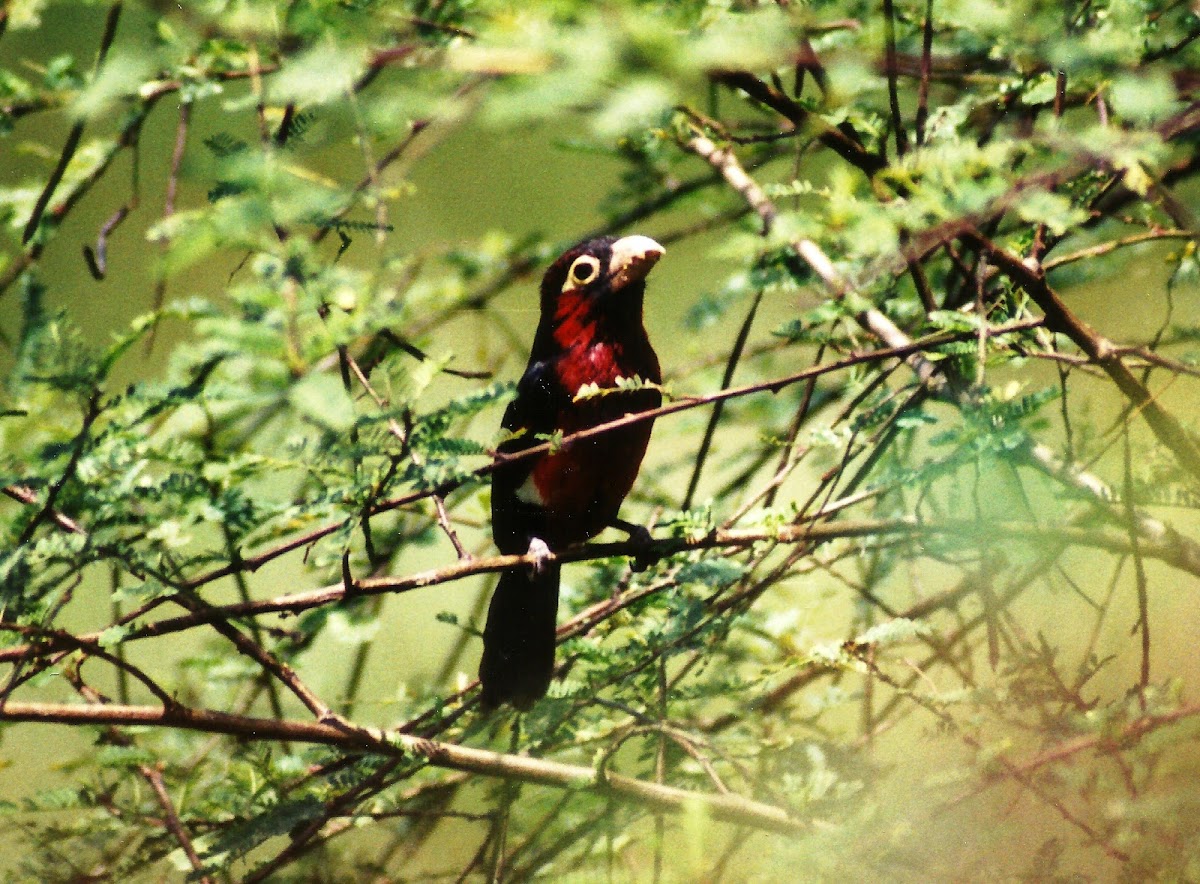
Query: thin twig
x,y
82,438
177,153
153,776
254,562
926,71
1105,248
735,355
74,136
889,36
805,535
1059,318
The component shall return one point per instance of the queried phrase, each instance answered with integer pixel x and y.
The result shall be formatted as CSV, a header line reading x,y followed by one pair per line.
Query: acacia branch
x,y
871,319
835,139
153,776
1105,248
128,135
26,495
1167,547
923,244
73,137
91,412
722,807
1102,742
1100,350
889,31
905,349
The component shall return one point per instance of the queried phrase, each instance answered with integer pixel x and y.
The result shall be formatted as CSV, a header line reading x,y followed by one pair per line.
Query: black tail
x,y
518,641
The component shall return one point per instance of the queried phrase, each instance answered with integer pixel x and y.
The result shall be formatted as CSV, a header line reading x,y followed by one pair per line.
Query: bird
x,y
590,332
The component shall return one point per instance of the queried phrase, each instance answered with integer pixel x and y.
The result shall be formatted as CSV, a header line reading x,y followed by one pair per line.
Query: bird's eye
x,y
584,270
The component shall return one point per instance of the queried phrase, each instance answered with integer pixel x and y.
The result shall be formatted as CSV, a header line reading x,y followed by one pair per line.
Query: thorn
x,y
331,718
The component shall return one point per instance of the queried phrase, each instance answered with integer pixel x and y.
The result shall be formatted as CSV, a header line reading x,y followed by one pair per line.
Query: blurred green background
x,y
476,180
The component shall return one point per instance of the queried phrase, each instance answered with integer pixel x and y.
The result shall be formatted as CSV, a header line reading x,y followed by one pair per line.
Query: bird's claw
x,y
541,555
639,535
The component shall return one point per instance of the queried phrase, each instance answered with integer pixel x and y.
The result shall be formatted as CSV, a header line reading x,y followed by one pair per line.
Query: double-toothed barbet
x,y
590,332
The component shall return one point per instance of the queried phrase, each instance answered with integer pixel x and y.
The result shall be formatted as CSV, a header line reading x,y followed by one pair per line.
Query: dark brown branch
x,y
1167,548
735,355
74,136
926,72
889,36
97,259
780,102
1102,352
171,821
128,135
1172,48
43,200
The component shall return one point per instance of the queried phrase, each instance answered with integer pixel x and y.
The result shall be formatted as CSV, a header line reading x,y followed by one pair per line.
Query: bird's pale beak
x,y
632,258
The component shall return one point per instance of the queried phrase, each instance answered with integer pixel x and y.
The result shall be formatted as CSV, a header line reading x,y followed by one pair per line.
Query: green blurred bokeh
x,y
512,182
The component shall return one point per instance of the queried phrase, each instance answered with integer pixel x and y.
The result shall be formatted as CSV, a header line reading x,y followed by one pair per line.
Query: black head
x,y
600,271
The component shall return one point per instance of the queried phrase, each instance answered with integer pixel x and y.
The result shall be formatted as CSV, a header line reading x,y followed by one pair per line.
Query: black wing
x,y
540,398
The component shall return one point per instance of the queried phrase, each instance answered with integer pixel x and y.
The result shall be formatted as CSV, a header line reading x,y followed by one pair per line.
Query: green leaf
x,y
318,76
1052,209
120,76
323,399
1144,98
711,572
237,840
114,635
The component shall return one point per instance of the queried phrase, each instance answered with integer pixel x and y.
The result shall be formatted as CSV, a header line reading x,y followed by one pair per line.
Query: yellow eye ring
x,y
584,270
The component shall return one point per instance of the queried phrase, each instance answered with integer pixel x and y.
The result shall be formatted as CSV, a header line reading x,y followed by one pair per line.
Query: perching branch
x,y
1166,547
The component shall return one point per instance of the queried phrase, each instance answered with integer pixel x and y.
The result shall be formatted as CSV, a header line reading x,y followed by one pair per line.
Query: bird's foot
x,y
541,555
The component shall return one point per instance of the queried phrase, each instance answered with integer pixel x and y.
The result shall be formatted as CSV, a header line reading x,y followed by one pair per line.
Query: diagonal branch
x,y
153,776
835,139
871,319
73,137
1100,350
905,349
722,807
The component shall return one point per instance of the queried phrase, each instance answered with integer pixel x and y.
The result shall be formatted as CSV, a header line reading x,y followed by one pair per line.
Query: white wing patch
x,y
528,492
